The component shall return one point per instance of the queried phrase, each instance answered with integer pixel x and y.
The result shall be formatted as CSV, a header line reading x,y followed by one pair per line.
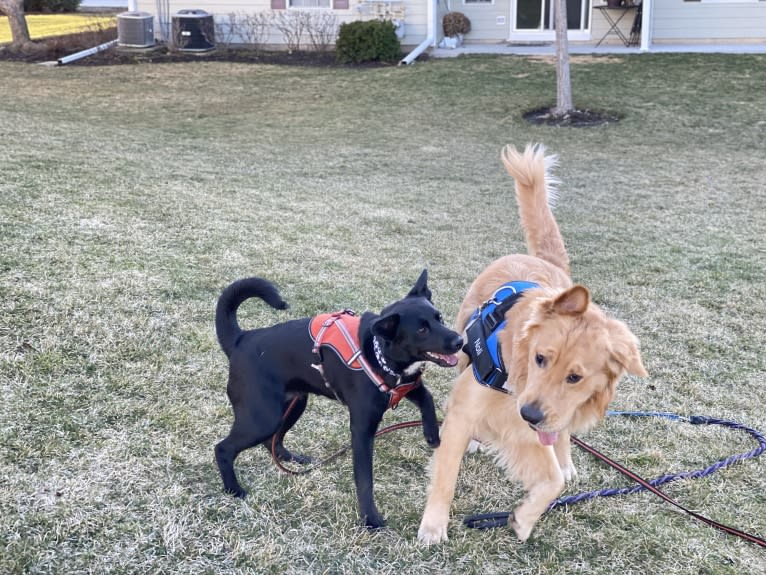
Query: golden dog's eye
x,y
573,378
540,360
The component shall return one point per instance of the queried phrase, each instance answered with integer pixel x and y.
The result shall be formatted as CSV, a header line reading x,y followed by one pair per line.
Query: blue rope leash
x,y
490,520
694,420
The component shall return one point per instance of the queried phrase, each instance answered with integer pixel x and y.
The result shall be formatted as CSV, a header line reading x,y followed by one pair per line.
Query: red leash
x,y
341,451
628,473
496,519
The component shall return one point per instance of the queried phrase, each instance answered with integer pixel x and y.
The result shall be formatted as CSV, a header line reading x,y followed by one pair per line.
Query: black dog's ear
x,y
386,326
421,287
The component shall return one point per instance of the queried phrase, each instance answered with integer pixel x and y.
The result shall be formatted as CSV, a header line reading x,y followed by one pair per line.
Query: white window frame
x,y
327,5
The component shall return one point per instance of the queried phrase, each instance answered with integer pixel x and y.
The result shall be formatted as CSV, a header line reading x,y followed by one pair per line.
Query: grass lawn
x,y
131,195
46,25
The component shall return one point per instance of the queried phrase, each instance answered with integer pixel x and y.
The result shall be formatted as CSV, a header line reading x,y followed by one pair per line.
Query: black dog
x,y
270,367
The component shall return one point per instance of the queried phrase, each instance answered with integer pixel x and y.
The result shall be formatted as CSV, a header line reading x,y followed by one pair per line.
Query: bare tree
x,y
564,103
14,9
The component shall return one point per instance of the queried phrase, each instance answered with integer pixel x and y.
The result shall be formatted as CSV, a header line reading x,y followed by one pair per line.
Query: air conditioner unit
x,y
135,29
193,31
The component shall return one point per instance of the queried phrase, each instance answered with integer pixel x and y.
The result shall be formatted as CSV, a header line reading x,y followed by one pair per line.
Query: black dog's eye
x,y
440,318
540,360
423,330
573,378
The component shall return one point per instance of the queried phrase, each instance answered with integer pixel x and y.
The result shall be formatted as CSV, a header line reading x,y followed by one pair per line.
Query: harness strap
x,y
352,356
482,343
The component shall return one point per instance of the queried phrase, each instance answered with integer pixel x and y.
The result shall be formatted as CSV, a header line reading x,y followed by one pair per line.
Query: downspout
x,y
430,36
646,25
84,53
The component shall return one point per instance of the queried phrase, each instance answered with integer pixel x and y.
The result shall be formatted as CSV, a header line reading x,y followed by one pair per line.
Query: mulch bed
x,y
574,118
51,49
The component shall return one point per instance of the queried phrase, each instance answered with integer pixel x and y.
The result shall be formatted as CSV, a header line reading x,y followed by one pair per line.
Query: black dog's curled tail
x,y
226,326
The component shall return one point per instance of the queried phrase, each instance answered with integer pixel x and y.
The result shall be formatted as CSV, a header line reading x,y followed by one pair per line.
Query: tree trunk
x,y
563,81
14,9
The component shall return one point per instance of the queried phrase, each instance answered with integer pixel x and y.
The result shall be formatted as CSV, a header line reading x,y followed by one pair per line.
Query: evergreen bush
x,y
367,41
32,6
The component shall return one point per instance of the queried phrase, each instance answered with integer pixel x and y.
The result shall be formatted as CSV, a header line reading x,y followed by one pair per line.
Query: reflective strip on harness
x,y
340,332
483,346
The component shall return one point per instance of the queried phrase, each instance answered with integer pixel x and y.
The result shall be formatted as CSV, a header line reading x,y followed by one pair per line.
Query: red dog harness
x,y
340,332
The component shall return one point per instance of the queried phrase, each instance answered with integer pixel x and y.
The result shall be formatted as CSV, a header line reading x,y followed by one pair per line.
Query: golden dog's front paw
x,y
522,531
433,529
569,472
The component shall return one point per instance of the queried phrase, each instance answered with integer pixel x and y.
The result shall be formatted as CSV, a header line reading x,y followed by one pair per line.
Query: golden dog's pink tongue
x,y
547,438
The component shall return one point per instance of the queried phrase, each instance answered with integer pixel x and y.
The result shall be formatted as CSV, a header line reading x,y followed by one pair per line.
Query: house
x,y
418,22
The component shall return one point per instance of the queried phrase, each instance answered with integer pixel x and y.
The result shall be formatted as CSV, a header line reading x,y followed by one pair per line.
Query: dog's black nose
x,y
531,413
456,343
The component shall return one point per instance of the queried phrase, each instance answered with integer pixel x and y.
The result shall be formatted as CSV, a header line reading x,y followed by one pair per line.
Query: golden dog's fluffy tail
x,y
535,192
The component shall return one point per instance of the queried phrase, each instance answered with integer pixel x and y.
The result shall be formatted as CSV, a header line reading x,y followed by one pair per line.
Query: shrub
x,y
292,24
367,41
31,6
455,23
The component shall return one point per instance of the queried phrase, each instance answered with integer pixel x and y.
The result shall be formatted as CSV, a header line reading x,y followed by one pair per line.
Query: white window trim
x,y
328,7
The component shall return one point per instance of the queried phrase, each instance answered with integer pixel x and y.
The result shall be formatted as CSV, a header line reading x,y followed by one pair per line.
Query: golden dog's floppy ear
x,y
624,348
573,301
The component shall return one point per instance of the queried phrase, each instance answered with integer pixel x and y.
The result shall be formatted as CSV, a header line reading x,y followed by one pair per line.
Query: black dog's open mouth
x,y
442,359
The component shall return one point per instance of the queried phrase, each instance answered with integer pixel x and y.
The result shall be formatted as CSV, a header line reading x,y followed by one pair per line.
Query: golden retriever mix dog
x,y
562,354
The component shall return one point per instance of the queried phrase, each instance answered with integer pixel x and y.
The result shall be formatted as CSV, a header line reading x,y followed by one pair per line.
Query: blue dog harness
x,y
483,328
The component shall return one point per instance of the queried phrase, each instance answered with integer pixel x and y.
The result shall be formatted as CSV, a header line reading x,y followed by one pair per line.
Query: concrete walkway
x,y
549,49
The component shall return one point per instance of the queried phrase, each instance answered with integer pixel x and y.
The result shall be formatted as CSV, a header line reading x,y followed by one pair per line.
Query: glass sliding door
x,y
534,20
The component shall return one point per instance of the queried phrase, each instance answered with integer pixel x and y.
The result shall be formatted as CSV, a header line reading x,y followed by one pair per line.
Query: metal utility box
x,y
193,31
135,29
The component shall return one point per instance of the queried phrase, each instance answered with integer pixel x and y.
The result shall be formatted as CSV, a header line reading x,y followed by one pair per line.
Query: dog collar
x,y
381,358
482,343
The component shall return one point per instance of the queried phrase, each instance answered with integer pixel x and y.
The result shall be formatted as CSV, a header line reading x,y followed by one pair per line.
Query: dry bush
x,y
455,23
254,28
226,29
322,30
242,28
292,24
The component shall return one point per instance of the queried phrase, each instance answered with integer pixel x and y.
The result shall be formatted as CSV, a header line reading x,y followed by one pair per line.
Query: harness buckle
x,y
491,322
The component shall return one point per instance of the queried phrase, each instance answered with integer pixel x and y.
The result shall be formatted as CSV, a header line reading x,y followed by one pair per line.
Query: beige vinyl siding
x,y
415,14
483,17
415,22
676,20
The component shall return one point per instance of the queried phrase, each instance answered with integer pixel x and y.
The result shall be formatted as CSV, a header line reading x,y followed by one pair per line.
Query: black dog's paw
x,y
238,493
433,441
374,522
289,457
299,459
431,433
